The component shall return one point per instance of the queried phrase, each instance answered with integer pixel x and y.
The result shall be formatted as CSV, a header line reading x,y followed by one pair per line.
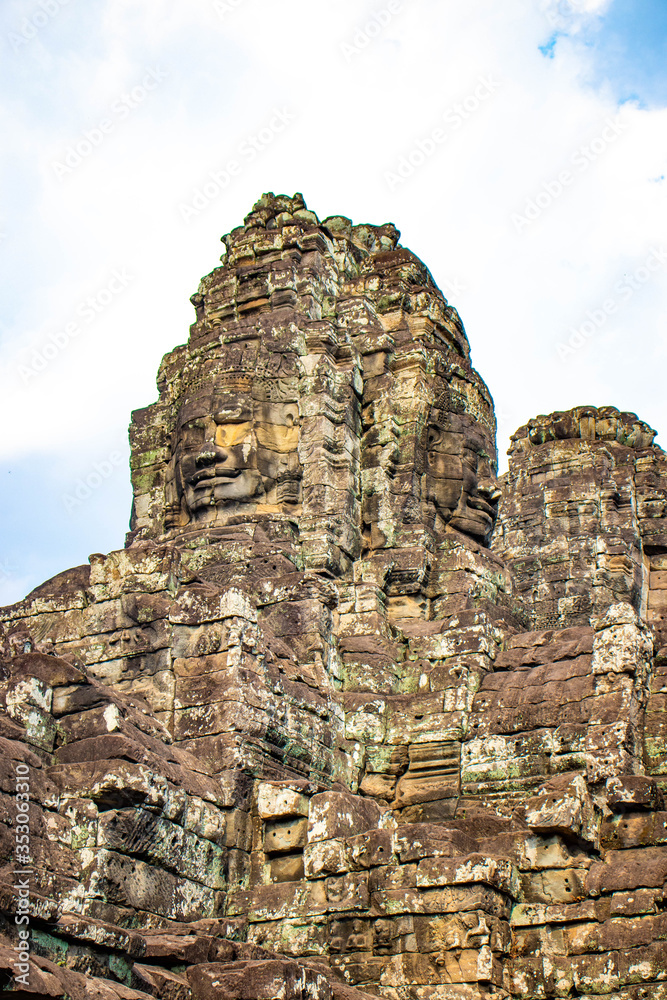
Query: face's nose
x,y
489,490
209,454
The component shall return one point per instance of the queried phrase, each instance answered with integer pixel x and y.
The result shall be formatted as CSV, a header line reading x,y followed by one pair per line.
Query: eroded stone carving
x,y
460,473
324,728
231,451
584,513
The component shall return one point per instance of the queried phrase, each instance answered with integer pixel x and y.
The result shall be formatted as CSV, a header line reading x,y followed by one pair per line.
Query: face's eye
x,y
470,458
193,433
228,435
280,438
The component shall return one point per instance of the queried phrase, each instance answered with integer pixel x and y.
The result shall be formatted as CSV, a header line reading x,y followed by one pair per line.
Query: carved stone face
x,y
233,450
459,473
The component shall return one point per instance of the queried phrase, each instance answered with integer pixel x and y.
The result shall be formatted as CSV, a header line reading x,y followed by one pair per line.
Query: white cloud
x,y
354,119
571,15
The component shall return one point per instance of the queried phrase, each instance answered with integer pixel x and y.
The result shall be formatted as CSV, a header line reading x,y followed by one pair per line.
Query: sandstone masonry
x,y
348,716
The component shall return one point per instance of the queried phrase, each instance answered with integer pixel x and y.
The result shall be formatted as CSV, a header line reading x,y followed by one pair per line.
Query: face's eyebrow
x,y
230,408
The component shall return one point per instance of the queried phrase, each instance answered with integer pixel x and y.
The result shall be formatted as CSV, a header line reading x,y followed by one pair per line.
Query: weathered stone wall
x,y
150,872
584,509
308,735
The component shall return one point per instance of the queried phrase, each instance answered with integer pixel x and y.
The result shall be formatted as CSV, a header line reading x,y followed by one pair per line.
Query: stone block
x,y
284,836
340,814
282,800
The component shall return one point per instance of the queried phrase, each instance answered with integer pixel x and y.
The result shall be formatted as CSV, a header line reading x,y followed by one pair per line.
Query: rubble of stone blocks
x,y
348,716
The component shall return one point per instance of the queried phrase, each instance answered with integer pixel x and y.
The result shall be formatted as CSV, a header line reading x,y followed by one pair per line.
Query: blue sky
x,y
546,200
626,48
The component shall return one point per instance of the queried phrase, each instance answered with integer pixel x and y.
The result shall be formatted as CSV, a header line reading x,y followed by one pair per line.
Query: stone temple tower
x,y
348,715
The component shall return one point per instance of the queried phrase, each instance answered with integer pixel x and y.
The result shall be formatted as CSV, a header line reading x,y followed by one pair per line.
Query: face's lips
x,y
481,505
205,476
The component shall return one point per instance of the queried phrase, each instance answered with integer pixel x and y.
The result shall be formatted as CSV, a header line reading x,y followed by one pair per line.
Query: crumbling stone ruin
x,y
348,716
